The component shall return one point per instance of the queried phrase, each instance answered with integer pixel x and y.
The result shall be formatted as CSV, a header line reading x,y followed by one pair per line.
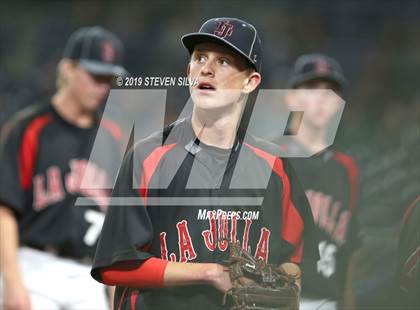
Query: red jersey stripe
x,y
353,174
149,166
297,257
29,149
292,224
133,299
113,128
410,209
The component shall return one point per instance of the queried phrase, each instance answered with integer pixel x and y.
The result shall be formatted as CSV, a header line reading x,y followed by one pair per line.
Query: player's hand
x,y
16,297
246,281
219,278
293,269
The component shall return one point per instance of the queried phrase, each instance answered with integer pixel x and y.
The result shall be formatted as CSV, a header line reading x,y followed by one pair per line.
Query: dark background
x,y
377,43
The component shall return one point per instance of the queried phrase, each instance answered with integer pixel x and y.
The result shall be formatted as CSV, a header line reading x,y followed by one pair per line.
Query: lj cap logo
x,y
224,29
321,66
108,52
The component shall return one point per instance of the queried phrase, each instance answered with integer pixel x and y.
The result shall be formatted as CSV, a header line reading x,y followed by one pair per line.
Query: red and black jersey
x,y
43,159
329,179
177,183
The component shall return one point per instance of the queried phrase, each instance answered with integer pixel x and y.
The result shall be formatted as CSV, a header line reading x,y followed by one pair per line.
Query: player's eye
x,y
224,61
200,58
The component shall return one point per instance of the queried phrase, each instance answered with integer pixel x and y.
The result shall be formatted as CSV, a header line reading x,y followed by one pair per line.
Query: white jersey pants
x,y
56,283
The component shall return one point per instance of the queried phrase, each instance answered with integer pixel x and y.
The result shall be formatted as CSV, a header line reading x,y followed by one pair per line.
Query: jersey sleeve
x,y
12,195
127,229
298,223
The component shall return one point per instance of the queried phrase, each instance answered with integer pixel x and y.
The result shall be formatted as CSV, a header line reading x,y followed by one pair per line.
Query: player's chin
x,y
92,105
218,100
205,101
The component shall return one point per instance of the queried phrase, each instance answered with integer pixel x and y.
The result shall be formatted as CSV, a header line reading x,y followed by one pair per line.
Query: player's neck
x,y
311,138
70,110
217,130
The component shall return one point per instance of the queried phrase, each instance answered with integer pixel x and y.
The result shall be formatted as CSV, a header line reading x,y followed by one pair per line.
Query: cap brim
x,y
330,76
99,68
190,40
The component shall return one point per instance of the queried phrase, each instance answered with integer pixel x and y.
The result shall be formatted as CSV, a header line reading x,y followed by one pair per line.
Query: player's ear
x,y
66,68
252,82
188,70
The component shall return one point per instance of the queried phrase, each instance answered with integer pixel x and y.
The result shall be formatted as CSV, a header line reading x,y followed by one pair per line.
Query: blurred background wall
x,y
377,43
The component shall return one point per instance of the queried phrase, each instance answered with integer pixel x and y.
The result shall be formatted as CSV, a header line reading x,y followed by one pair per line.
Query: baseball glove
x,y
267,286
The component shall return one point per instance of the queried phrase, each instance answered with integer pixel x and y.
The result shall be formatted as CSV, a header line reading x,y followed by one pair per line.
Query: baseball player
x,y
162,250
329,178
46,243
409,258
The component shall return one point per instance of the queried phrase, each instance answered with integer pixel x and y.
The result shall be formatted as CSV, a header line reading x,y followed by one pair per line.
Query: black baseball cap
x,y
97,50
238,35
311,67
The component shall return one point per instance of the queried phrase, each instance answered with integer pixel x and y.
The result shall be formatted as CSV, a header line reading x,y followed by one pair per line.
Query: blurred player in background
x,y
409,258
328,177
46,242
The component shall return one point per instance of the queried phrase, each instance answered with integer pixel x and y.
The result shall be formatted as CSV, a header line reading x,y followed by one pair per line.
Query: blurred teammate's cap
x,y
311,67
236,34
97,50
